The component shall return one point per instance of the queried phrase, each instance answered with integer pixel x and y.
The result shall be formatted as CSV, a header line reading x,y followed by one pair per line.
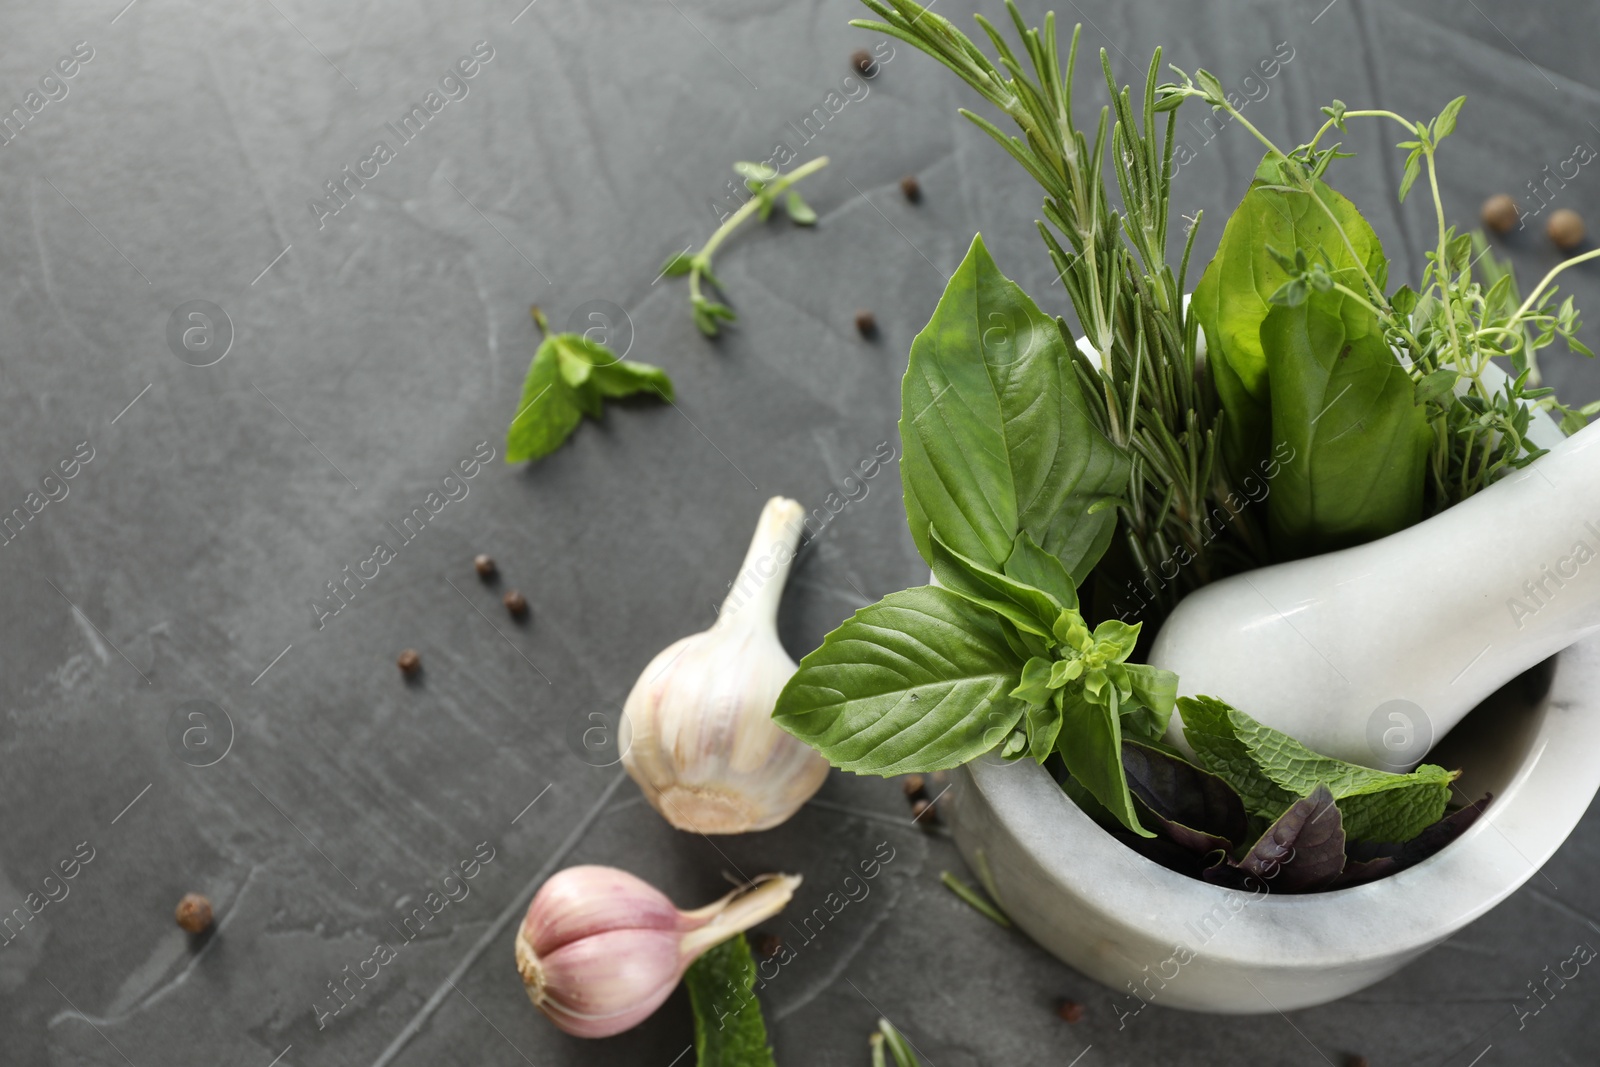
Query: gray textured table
x,y
372,350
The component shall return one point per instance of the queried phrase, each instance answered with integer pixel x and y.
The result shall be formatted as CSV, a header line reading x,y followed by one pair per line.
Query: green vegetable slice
x,y
728,1028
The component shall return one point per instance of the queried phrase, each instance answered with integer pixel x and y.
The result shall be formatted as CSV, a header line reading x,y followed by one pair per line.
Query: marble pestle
x,y
1372,654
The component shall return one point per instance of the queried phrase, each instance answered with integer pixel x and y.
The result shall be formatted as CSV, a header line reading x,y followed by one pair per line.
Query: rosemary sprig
x,y
766,184
1127,298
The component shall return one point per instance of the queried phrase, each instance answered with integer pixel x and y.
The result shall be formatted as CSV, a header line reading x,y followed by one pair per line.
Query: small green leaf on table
x,y
570,377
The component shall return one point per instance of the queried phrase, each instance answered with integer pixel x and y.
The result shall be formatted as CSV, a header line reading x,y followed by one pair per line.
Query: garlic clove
x,y
697,731
605,983
594,899
600,949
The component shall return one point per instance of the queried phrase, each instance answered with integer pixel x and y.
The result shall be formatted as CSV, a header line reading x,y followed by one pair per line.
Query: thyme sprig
x,y
766,184
1454,323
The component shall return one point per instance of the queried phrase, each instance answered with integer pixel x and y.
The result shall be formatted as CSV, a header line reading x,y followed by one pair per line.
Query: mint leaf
x,y
1269,769
570,377
996,432
916,682
728,1028
1210,732
1376,805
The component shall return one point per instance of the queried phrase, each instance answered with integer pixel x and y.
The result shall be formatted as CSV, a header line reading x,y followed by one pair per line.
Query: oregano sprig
x,y
766,183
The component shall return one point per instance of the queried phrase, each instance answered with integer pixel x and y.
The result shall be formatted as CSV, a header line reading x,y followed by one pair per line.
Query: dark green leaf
x,y
997,438
728,1028
916,682
1234,295
1343,406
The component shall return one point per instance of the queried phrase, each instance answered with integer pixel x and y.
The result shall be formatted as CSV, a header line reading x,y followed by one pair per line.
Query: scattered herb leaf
x,y
569,378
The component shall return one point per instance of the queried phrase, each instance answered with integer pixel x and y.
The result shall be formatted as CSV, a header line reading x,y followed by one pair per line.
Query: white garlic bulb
x,y
697,731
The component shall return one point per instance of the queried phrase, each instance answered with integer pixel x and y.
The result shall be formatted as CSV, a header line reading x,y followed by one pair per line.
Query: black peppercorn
x,y
911,188
866,324
409,662
484,566
194,913
1070,1010
516,603
862,60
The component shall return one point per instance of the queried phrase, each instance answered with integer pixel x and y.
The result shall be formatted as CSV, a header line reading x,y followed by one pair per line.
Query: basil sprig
x,y
1002,472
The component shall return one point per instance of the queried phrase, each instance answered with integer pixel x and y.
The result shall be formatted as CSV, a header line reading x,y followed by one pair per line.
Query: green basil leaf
x,y
1029,609
1032,565
1091,744
1034,687
1234,294
1344,405
916,682
569,377
1044,728
1155,690
728,1028
997,436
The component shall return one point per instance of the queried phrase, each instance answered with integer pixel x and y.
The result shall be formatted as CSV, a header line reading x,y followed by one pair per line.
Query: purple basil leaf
x,y
1189,806
1360,872
1426,843
1304,849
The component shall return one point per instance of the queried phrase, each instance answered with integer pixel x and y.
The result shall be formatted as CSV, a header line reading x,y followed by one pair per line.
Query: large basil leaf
x,y
916,682
1315,382
1032,565
996,433
1346,407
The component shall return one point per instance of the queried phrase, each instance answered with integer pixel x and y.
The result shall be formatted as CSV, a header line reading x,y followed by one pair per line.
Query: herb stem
x,y
751,206
1548,278
973,898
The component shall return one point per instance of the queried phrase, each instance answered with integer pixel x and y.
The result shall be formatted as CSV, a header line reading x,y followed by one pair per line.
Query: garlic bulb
x,y
600,949
697,731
